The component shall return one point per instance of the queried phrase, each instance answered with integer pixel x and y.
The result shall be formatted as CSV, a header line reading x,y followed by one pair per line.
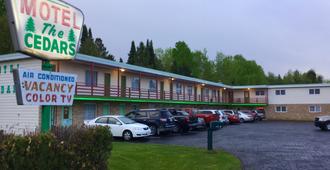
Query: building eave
x,y
134,100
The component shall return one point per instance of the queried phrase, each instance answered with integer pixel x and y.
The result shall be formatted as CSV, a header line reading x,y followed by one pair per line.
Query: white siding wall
x,y
17,118
74,68
299,96
238,94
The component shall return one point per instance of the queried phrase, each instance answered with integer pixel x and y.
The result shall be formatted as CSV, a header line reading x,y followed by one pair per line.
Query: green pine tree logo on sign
x,y
71,37
29,26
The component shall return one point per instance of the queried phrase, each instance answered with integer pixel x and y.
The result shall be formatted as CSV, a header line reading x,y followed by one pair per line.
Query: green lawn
x,y
131,156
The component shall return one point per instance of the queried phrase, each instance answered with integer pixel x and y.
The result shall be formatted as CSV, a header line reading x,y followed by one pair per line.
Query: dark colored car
x,y
184,120
232,116
323,122
260,114
159,120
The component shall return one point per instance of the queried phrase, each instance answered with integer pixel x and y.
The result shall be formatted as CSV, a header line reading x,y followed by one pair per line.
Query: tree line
x,y
232,70
180,59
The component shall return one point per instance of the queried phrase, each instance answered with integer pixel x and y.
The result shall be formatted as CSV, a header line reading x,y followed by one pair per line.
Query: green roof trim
x,y
135,100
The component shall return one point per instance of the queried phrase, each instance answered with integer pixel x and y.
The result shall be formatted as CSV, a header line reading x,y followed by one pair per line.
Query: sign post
x,y
45,29
46,111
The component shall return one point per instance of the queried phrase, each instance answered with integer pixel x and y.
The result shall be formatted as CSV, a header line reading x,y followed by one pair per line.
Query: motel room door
x,y
66,118
195,93
89,111
246,97
107,79
171,90
162,96
123,86
230,96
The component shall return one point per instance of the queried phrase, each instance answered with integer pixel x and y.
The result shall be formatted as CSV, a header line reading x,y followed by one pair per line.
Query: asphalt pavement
x,y
264,145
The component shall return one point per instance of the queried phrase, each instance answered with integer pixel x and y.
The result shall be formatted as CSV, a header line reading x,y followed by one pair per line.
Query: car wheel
x,y
176,129
127,135
154,130
241,120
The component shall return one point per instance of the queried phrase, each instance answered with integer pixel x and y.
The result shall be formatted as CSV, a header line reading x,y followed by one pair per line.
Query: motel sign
x,y
45,29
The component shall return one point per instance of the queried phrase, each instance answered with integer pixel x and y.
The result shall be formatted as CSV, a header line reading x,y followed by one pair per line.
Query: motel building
x,y
109,87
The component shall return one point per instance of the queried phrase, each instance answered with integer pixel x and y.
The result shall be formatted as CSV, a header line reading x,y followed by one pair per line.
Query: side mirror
x,y
118,123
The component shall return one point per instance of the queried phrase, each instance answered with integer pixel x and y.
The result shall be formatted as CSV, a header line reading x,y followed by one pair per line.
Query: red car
x,y
208,115
232,116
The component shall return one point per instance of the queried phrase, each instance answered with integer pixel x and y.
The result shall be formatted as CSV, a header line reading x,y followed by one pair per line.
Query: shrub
x,y
63,148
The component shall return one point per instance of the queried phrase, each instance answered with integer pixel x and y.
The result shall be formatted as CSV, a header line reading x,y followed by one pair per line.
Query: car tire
x,y
177,129
154,130
326,126
127,135
241,120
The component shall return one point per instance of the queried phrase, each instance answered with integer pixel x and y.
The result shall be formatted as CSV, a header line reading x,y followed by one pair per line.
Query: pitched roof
x,y
97,60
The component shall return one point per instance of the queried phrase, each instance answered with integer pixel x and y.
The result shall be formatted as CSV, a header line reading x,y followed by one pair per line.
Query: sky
x,y
278,34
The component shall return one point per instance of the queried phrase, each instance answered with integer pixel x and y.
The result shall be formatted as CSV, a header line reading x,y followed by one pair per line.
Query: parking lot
x,y
264,145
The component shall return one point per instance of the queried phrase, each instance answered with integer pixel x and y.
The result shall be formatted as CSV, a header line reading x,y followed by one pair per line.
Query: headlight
x,y
321,119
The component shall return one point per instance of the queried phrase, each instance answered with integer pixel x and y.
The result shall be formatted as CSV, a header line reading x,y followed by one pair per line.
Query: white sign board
x,y
44,87
47,29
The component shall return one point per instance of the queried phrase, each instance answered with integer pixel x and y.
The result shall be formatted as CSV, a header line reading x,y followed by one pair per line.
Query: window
x,y
206,112
260,93
152,85
141,114
206,92
314,108
66,113
154,114
178,88
113,121
131,115
135,83
88,78
280,92
281,109
103,120
214,93
314,91
189,89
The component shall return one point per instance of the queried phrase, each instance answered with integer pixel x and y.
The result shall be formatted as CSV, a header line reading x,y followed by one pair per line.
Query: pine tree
x,y
121,60
153,60
29,27
132,54
90,47
140,53
110,57
71,37
84,34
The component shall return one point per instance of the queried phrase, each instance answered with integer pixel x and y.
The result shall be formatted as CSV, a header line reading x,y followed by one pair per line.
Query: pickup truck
x,y
208,116
323,122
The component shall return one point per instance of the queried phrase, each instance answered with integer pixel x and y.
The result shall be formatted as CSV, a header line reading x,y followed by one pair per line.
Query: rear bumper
x,y
168,128
250,119
192,125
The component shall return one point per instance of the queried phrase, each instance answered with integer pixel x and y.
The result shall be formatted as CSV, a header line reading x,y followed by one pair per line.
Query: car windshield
x,y
126,120
184,113
165,114
259,111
